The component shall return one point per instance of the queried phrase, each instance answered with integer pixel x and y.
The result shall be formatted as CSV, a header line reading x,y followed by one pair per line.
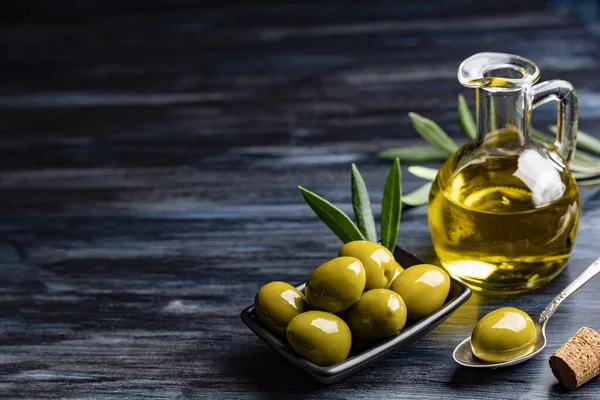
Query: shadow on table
x,y
587,390
269,374
557,389
274,377
464,376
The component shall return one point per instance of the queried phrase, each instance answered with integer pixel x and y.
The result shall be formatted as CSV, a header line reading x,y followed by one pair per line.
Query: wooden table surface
x,y
149,165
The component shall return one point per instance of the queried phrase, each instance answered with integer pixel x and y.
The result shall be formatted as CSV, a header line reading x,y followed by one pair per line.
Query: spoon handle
x,y
581,280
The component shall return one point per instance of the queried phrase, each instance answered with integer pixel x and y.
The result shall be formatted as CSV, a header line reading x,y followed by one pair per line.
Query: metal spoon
x,y
464,355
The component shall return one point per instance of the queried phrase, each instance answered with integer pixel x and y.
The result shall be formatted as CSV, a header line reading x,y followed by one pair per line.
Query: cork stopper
x,y
578,360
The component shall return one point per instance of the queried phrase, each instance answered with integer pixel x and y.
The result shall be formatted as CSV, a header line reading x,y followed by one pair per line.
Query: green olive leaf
x,y
414,154
333,217
391,207
581,156
588,182
584,167
579,176
465,118
431,132
585,141
423,172
418,197
362,205
548,141
542,137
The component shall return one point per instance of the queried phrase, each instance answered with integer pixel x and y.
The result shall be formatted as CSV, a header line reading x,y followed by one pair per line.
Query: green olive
x,y
277,303
424,288
399,270
379,262
379,313
336,285
321,337
503,334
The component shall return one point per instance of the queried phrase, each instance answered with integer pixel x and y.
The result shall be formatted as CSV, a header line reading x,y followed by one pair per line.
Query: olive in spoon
x,y
463,353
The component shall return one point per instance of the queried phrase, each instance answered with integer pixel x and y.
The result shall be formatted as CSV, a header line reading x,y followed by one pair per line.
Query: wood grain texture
x,y
149,165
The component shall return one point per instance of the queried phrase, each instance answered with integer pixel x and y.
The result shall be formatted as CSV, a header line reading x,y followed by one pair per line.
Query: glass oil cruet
x,y
503,210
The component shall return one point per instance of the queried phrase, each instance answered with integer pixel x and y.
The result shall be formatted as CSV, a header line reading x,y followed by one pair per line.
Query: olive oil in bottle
x,y
503,209
504,223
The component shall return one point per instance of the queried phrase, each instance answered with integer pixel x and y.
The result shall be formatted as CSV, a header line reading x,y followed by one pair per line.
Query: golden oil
x,y
503,221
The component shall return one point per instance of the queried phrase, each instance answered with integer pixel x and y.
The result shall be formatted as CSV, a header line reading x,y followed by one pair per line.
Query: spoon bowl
x,y
463,353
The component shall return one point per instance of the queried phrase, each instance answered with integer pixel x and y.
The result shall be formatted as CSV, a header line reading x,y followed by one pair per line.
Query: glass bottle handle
x,y
566,119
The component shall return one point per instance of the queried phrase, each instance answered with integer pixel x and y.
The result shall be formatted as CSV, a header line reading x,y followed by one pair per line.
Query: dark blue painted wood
x,y
148,172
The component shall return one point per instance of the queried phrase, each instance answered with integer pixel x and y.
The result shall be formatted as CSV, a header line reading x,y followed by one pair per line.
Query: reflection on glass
x,y
540,177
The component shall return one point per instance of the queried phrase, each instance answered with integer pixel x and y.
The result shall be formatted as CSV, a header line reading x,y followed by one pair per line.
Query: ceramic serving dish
x,y
363,353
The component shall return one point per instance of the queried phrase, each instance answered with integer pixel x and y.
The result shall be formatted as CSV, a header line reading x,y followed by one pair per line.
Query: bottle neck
x,y
504,111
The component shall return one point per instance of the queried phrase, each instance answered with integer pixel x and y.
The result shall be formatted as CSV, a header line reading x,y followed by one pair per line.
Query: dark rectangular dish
x,y
363,353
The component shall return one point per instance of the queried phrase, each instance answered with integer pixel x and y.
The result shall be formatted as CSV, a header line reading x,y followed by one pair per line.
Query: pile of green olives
x,y
363,293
